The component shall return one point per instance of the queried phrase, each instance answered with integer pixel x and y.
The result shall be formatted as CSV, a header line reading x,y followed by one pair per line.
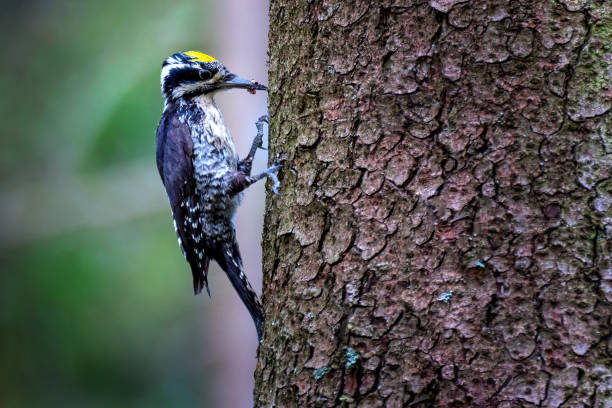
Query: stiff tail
x,y
231,262
200,276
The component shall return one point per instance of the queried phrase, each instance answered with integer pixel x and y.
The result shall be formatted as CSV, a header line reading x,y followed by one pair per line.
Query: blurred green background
x,y
96,308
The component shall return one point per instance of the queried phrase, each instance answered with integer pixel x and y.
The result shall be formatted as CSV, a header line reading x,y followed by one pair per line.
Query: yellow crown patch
x,y
198,56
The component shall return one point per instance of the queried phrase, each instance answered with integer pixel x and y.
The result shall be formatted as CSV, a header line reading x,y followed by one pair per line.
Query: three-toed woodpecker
x,y
200,169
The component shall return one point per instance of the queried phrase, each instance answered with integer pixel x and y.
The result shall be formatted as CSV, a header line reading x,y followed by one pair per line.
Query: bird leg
x,y
241,180
245,164
270,173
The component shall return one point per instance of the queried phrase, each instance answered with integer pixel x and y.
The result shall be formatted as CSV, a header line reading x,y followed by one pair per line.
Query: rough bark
x,y
443,234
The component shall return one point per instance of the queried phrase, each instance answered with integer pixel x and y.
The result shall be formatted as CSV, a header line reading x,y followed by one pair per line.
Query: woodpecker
x,y
201,171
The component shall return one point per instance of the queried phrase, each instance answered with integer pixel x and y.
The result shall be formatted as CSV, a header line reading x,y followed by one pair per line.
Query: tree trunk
x,y
443,233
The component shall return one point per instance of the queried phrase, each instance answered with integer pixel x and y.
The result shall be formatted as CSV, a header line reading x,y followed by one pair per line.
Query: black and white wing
x,y
174,148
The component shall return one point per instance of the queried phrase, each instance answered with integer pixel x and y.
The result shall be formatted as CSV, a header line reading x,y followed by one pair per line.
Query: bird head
x,y
193,73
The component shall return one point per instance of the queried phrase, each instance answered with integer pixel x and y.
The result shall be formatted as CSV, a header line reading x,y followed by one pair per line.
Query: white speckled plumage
x,y
214,162
199,167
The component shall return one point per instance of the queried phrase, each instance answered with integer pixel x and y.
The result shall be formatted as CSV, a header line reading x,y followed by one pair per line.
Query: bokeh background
x,y
96,302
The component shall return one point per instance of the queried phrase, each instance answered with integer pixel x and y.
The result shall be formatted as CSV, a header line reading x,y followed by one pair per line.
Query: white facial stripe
x,y
186,88
218,76
166,70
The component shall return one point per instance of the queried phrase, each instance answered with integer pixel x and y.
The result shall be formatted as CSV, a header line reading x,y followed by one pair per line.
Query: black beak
x,y
232,81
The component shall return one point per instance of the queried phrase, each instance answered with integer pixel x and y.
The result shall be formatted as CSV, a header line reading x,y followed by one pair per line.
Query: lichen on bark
x,y
443,233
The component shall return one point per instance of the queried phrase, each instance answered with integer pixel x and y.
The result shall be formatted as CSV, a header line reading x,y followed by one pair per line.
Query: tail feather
x,y
200,276
230,261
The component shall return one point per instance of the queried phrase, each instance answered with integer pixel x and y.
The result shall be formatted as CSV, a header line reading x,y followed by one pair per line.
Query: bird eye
x,y
205,75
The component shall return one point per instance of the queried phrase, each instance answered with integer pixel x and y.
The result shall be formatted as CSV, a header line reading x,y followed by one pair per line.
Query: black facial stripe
x,y
178,76
189,73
